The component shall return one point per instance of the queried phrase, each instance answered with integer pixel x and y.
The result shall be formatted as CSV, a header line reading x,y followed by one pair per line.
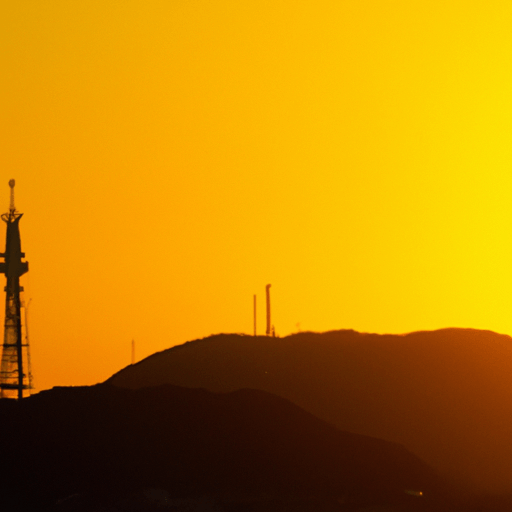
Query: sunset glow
x,y
173,157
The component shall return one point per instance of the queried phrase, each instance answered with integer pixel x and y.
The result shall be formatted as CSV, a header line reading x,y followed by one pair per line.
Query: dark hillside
x,y
445,395
106,442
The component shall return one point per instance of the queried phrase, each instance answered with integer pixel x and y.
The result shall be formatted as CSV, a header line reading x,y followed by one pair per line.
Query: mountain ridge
x,y
442,394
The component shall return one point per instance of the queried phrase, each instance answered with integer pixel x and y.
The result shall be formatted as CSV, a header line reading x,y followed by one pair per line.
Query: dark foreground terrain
x,y
445,395
172,448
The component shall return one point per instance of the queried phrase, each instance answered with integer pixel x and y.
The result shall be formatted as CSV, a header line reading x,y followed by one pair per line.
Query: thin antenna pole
x,y
29,363
255,315
268,309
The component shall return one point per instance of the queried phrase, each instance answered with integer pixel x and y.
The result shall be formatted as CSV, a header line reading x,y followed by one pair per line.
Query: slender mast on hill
x,y
14,372
268,331
254,309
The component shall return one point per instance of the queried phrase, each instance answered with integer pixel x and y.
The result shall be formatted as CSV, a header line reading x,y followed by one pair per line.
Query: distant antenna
x,y
29,363
255,315
133,351
268,310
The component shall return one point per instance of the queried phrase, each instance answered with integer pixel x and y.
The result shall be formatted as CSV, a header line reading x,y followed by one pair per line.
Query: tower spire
x,y
11,204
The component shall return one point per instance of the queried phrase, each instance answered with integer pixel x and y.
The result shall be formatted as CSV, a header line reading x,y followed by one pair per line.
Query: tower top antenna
x,y
11,184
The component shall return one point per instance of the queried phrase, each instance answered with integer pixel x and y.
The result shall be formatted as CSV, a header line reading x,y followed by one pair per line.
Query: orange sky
x,y
174,157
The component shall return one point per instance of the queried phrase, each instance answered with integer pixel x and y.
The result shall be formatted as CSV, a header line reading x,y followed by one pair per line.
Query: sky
x,y
172,158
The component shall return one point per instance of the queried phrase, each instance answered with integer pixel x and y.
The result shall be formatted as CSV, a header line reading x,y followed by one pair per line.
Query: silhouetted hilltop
x,y
445,395
106,443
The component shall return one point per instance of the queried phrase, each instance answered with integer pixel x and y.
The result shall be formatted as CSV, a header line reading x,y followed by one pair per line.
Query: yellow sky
x,y
174,157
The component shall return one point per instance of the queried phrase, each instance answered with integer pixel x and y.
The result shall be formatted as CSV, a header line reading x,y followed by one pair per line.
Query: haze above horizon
x,y
172,158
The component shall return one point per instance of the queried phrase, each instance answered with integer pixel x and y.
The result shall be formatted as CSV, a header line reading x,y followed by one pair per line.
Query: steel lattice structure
x,y
15,376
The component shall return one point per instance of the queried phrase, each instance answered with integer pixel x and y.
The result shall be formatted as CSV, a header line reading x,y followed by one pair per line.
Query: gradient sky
x,y
174,157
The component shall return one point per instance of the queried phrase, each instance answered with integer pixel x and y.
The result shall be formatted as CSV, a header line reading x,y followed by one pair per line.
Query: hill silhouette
x,y
103,443
445,395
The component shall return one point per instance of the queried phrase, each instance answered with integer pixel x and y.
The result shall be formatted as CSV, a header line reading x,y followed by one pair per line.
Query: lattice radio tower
x,y
15,375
